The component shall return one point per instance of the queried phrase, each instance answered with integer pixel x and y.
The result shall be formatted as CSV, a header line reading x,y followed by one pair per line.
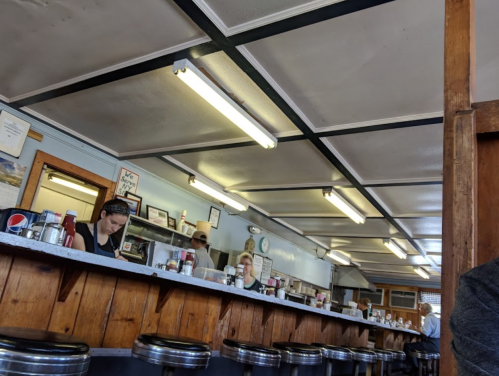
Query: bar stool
x,y
250,354
331,353
362,355
421,356
298,354
383,356
436,363
171,352
33,352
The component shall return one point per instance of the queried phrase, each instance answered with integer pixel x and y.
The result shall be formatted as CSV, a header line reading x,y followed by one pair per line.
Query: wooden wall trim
x,y
106,187
487,116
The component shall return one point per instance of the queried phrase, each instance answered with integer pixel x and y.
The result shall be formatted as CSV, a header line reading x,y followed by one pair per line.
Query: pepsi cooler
x,y
13,220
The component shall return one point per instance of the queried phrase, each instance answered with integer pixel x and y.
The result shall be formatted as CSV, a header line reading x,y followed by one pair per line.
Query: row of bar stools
x,y
171,352
35,352
383,356
298,354
250,354
422,356
331,353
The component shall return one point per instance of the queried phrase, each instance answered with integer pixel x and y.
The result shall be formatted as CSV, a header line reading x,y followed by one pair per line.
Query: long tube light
x,y
423,273
216,194
338,256
202,85
334,198
392,246
72,185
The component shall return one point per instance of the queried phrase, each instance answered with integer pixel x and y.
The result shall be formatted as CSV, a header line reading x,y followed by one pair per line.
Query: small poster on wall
x,y
11,177
128,181
13,132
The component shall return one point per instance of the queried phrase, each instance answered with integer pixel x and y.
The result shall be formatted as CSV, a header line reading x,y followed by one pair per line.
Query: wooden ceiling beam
x,y
487,116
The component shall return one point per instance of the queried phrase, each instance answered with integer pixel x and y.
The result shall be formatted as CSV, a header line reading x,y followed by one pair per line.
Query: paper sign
x,y
13,132
128,181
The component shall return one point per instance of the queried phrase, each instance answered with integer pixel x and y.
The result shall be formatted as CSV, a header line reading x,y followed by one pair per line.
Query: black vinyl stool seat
x,y
171,351
383,356
397,354
421,356
296,354
331,352
250,354
360,355
25,351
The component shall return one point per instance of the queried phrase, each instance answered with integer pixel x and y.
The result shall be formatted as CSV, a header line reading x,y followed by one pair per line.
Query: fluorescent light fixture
x,y
216,194
392,246
338,256
202,85
72,185
334,198
423,273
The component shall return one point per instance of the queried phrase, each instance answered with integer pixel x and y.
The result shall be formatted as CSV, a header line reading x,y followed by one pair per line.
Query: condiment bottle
x,y
182,221
240,281
277,282
190,256
69,225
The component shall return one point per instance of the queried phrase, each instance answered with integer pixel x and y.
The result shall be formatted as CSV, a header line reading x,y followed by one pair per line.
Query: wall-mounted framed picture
x,y
172,223
214,217
133,196
133,204
158,216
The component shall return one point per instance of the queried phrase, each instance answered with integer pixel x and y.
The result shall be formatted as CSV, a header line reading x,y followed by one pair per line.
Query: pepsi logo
x,y
16,223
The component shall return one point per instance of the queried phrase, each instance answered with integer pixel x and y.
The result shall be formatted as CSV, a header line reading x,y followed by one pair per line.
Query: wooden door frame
x,y
106,187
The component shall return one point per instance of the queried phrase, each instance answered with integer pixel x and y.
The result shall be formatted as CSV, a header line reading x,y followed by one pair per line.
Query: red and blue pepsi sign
x,y
16,223
14,220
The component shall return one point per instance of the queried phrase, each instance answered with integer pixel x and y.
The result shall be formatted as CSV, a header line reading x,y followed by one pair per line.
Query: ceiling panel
x,y
358,246
344,227
431,245
411,200
53,41
157,110
310,201
398,154
236,12
289,163
368,259
423,226
359,67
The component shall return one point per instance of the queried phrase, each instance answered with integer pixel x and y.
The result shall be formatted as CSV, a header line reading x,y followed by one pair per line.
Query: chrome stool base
x,y
298,354
250,354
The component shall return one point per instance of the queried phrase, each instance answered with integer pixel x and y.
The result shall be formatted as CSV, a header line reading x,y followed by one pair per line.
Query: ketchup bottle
x,y
69,225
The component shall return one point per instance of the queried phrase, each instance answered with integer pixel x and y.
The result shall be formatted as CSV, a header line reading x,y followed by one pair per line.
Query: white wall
x,y
232,231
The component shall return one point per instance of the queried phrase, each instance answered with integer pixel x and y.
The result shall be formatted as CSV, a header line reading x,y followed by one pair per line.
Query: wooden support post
x,y
165,292
268,311
69,279
300,316
487,116
224,307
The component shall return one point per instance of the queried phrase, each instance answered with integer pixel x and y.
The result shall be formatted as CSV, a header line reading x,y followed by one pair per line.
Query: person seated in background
x,y
474,321
250,282
430,336
98,237
199,239
363,305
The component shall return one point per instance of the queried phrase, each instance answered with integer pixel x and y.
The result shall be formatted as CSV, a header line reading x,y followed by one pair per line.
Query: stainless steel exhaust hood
x,y
350,277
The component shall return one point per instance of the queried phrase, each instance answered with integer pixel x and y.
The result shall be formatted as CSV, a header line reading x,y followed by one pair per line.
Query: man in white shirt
x,y
198,241
430,335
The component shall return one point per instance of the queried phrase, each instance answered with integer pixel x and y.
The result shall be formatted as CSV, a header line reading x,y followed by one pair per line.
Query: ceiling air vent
x,y
403,299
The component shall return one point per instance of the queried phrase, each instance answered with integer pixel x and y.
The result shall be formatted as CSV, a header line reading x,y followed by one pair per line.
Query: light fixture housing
x,y
72,185
334,198
395,248
216,194
339,257
210,92
423,273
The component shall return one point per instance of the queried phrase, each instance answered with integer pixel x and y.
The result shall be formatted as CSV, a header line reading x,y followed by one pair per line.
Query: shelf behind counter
x,y
108,302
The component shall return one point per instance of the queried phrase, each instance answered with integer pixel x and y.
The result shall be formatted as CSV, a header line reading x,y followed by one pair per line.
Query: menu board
x,y
262,267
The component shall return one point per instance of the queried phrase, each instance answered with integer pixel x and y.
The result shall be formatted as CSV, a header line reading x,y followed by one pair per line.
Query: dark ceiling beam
x,y
339,217
383,127
231,50
120,74
207,148
305,19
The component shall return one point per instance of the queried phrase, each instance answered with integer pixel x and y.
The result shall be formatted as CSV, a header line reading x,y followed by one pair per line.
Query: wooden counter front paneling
x,y
109,307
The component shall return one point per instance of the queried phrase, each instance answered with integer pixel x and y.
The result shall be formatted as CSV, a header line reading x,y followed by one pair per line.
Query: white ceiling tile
x,y
423,226
303,202
430,245
397,154
411,200
383,62
289,163
48,42
344,227
157,110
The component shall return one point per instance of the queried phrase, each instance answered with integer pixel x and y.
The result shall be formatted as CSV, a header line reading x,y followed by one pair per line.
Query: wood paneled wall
x,y
108,308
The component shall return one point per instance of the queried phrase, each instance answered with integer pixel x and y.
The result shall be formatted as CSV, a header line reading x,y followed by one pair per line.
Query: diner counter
x,y
97,297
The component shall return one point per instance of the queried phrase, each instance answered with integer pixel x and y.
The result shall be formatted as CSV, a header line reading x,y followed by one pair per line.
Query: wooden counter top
x,y
77,273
